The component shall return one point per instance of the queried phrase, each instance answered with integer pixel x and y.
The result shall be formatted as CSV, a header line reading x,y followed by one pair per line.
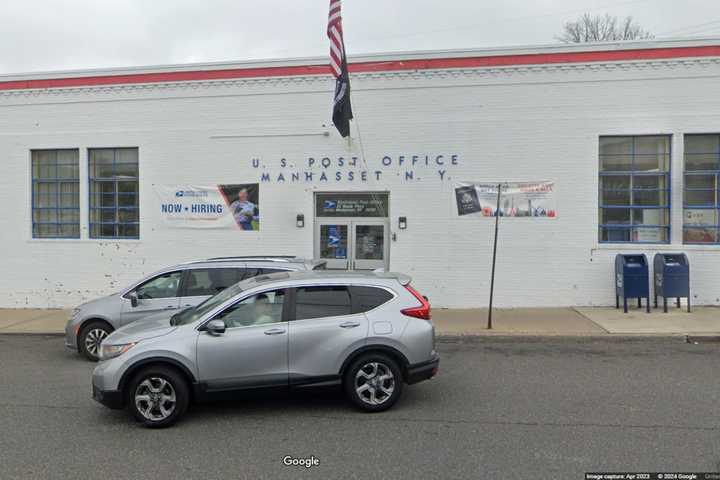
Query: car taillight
x,y
423,311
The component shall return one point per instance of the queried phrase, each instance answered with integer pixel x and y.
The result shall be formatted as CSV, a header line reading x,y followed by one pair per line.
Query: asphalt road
x,y
498,409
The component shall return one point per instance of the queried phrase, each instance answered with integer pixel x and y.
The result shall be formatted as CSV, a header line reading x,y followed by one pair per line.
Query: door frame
x,y
350,262
351,222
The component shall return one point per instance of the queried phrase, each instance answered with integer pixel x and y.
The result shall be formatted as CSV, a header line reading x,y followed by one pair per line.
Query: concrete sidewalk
x,y
595,321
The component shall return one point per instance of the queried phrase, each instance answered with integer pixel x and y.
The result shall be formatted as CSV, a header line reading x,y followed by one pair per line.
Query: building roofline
x,y
659,49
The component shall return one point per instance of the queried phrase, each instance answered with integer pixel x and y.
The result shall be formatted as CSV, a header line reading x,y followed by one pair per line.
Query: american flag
x,y
342,111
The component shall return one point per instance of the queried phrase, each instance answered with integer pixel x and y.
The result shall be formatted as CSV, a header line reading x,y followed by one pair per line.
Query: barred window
x,y
55,193
114,206
701,196
634,189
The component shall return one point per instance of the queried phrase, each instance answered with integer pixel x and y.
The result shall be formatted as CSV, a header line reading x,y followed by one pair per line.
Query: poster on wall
x,y
517,199
227,206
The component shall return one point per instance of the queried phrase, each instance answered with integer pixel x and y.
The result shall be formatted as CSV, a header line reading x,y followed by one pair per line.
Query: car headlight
x,y
111,351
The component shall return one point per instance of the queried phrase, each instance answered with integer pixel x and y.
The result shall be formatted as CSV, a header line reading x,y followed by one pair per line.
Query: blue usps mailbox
x,y
631,279
672,278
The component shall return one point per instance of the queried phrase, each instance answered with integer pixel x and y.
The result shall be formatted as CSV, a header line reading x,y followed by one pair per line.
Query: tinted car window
x,y
162,286
266,271
260,309
324,301
252,272
367,298
209,281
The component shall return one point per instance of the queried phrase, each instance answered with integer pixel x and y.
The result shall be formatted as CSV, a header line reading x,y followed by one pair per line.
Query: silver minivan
x,y
168,290
367,332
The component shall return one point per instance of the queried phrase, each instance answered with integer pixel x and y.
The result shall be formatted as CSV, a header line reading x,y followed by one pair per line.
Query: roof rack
x,y
255,258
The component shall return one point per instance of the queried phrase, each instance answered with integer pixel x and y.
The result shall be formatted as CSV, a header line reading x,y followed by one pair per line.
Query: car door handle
x,y
349,324
275,331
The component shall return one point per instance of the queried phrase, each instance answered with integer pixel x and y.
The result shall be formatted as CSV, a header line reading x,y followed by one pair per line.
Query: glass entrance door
x,y
369,244
347,244
332,244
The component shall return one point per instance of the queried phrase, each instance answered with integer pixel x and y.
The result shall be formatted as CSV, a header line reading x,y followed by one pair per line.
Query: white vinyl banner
x,y
517,199
219,206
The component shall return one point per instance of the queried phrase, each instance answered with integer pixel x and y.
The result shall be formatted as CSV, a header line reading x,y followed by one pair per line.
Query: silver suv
x,y
169,290
366,332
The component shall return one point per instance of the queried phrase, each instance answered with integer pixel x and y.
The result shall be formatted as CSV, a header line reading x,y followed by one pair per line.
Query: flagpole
x,y
492,275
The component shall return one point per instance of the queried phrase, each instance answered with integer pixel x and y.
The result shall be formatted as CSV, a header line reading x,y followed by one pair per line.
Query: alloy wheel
x,y
155,399
93,339
374,383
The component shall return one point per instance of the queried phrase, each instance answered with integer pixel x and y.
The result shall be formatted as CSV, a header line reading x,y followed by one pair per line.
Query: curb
x,y
603,338
38,334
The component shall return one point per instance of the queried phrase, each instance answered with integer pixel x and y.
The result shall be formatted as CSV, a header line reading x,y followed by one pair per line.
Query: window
x,y
268,271
55,194
162,286
114,208
367,298
209,281
701,202
260,309
319,302
634,189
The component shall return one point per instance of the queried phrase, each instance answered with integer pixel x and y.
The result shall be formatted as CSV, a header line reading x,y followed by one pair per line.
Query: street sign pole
x,y
492,275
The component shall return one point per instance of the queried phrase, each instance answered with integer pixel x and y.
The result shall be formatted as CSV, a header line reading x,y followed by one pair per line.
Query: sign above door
x,y
351,205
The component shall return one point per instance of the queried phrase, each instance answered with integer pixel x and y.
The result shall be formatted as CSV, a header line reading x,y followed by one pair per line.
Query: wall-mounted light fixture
x,y
402,223
300,220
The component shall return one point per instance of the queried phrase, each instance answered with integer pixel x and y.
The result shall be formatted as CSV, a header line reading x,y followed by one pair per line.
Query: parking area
x,y
500,408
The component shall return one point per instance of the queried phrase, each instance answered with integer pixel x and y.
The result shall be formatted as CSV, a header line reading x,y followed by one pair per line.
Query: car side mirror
x,y
215,327
133,299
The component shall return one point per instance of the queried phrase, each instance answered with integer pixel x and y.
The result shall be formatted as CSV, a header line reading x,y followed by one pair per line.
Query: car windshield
x,y
189,315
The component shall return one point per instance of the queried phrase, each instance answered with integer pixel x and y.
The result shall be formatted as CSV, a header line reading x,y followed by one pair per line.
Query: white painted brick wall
x,y
505,124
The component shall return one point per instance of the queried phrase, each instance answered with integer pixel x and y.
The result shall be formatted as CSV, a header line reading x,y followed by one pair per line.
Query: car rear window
x,y
322,301
367,298
209,281
267,271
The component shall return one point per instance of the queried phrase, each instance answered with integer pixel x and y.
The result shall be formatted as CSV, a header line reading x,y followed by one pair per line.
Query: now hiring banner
x,y
233,206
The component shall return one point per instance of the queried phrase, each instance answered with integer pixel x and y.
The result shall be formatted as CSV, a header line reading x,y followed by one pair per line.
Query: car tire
x,y
373,382
158,396
91,335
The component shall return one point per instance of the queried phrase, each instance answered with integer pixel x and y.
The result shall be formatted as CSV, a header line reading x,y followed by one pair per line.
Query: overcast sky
x,y
39,35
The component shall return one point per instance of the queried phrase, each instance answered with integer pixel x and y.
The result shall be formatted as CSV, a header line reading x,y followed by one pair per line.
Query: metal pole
x,y
492,275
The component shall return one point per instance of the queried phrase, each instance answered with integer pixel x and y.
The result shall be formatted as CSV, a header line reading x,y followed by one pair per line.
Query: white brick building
x,y
486,115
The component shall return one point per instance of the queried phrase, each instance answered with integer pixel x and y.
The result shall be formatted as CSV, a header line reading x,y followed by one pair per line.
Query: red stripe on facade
x,y
379,66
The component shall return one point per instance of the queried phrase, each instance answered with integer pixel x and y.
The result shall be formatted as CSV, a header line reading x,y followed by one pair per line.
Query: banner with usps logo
x,y
227,206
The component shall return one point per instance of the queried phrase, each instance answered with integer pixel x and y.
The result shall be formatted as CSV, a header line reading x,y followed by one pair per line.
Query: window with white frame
x,y
113,179
701,196
634,189
55,193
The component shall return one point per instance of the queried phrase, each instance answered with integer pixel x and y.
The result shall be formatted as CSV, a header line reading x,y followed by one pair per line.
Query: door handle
x,y
275,331
349,324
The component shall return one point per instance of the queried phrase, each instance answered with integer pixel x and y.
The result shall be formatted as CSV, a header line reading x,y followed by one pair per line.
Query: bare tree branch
x,y
602,28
